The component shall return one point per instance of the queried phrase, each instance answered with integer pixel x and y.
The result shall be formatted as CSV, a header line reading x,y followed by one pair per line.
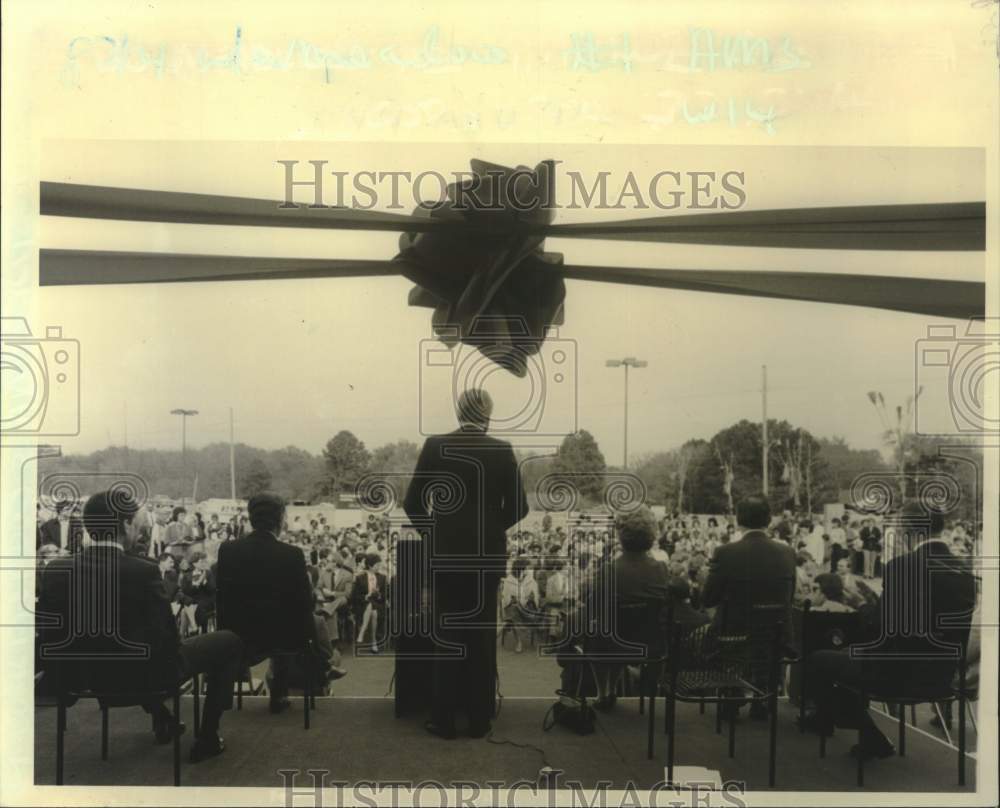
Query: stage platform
x,y
358,739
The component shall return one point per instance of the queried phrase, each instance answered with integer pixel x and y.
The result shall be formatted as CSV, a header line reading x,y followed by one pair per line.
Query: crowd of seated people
x,y
347,569
552,573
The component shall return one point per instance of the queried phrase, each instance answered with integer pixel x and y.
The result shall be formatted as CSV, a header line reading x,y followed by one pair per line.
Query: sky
x,y
299,360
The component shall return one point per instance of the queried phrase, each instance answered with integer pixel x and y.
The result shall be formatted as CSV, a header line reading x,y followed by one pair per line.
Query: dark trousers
x,y
464,682
837,706
281,666
217,656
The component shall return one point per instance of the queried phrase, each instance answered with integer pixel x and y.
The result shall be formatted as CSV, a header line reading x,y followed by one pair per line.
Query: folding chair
x,y
944,690
107,699
705,666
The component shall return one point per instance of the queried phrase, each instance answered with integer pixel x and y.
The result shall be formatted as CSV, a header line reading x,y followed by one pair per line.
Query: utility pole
x,y
763,404
184,414
125,430
627,362
232,458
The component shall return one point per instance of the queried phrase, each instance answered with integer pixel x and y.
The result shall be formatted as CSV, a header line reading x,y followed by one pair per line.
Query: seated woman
x,y
519,601
632,579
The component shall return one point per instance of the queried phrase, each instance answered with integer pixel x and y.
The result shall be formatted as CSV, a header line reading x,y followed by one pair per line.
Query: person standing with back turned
x,y
468,554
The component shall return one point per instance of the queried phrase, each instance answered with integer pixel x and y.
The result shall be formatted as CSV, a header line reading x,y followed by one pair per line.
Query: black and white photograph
x,y
531,405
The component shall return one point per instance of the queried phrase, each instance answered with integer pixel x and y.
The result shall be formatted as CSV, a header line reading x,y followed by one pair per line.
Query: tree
x,y
659,473
255,480
946,473
842,465
394,464
534,468
346,462
580,459
704,485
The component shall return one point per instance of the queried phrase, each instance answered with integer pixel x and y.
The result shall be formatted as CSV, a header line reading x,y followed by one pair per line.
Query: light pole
x,y
184,414
627,362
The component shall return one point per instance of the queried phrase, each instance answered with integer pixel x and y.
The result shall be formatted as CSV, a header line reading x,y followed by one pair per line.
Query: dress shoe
x,y
759,712
163,728
279,706
335,672
480,730
207,746
448,733
812,722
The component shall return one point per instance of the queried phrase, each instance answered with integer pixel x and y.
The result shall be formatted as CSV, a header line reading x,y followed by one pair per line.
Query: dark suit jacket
x,y
871,538
263,593
171,585
754,570
49,533
485,491
923,592
135,644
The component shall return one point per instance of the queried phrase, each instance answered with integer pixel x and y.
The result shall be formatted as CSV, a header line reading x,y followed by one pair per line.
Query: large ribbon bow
x,y
483,270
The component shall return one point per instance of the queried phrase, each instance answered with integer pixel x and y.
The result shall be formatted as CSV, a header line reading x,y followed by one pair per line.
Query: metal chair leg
x,y
652,722
104,732
671,709
902,730
196,691
60,739
861,758
177,737
718,715
944,726
305,701
861,763
239,692
773,751
961,725
732,732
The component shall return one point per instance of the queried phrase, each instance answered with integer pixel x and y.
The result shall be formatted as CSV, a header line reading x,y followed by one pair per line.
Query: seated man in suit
x,y
265,596
756,570
131,645
928,597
